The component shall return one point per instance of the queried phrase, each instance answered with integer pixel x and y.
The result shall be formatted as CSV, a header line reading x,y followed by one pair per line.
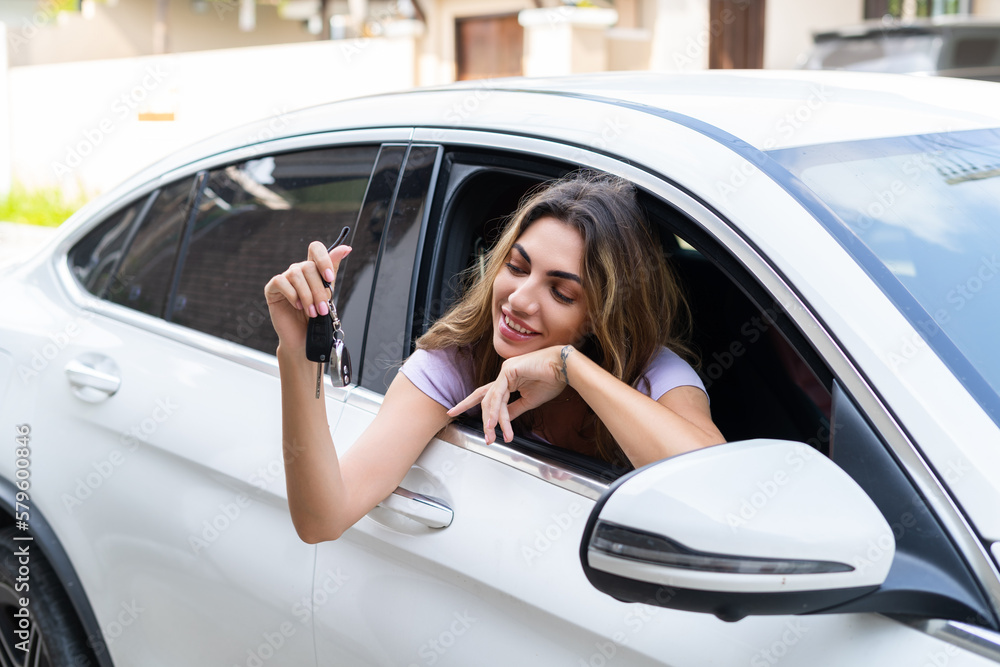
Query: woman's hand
x,y
537,376
299,293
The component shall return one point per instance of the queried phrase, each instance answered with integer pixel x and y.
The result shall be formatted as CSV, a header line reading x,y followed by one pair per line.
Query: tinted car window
x,y
387,343
357,271
254,219
142,279
93,260
919,213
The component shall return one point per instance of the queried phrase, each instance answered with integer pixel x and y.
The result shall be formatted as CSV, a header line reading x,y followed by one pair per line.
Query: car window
x,y
388,331
762,380
357,271
143,277
918,213
93,260
253,220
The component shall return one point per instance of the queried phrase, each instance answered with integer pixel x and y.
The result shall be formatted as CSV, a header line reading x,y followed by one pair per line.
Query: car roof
x,y
762,109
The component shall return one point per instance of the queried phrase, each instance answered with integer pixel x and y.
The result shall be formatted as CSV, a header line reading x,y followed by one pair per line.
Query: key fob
x,y
319,338
340,363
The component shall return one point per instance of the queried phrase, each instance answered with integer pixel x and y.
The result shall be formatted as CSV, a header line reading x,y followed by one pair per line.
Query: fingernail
x,y
312,310
298,304
328,274
324,309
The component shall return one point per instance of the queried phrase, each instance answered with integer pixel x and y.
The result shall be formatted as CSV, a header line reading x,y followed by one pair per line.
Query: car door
x,y
173,493
490,573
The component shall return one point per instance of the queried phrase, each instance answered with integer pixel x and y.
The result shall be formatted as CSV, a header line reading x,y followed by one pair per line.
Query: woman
x,y
576,311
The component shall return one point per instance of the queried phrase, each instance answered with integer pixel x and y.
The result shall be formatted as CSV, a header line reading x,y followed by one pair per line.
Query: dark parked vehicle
x,y
960,47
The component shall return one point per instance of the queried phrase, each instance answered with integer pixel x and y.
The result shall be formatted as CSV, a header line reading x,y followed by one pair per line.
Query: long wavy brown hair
x,y
634,303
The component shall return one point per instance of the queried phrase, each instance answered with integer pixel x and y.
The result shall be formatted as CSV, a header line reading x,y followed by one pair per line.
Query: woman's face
x,y
538,296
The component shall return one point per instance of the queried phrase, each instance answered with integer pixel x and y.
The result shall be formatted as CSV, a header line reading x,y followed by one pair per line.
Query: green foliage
x,y
45,206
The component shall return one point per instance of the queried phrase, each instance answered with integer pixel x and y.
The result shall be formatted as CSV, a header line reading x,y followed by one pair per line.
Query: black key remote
x,y
319,338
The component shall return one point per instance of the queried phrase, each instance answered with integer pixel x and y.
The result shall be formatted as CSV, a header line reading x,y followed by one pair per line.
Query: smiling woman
x,y
575,312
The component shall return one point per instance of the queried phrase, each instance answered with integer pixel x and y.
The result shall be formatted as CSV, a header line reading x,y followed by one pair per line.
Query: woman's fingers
x,y
327,263
473,399
280,289
505,427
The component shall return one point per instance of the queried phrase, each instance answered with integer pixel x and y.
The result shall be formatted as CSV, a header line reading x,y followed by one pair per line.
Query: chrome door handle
x,y
93,377
431,512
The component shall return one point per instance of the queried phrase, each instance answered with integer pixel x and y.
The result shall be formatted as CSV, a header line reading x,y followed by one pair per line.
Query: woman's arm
x,y
646,430
326,496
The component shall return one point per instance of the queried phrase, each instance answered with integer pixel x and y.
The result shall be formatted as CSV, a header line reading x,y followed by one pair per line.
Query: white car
x,y
838,238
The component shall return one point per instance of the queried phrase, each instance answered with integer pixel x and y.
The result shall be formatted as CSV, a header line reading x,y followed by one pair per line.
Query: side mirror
x,y
744,528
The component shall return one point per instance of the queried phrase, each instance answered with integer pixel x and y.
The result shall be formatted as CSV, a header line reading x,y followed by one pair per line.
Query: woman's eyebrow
x,y
566,275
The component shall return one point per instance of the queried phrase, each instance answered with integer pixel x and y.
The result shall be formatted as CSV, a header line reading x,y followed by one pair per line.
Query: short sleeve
x,y
440,374
669,371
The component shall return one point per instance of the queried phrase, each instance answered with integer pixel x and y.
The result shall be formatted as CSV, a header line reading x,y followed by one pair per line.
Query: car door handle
x,y
431,512
93,377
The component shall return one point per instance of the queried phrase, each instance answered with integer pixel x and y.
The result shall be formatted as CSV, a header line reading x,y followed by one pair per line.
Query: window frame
x,y
127,195
462,167
744,253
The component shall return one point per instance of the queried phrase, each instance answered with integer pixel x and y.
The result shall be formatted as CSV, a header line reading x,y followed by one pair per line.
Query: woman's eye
x,y
561,297
515,269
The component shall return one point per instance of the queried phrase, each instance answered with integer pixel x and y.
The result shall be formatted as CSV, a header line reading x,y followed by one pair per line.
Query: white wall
x,y
81,124
680,36
790,24
986,8
4,113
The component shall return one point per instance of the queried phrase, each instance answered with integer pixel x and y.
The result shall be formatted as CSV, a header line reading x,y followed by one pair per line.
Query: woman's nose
x,y
524,299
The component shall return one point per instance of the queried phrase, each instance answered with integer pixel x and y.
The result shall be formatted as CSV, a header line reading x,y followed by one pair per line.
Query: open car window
x,y
763,381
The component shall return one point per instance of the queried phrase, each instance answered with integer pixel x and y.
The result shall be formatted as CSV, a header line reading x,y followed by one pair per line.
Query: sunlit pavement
x,y
18,242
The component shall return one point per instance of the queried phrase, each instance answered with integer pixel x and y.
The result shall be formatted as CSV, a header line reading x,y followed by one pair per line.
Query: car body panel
x,y
221,566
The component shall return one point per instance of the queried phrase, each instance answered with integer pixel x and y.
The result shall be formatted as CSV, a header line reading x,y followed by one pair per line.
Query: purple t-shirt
x,y
447,376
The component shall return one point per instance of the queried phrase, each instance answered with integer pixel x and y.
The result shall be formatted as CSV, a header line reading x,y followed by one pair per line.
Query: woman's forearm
x,y
645,429
316,491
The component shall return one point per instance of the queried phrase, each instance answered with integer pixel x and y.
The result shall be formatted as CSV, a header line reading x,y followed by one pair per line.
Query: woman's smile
x,y
538,296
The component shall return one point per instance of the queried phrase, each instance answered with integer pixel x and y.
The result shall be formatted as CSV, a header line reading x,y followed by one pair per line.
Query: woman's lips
x,y
508,331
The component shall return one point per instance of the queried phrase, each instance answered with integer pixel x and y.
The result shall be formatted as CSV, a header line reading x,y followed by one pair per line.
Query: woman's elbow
x,y
312,532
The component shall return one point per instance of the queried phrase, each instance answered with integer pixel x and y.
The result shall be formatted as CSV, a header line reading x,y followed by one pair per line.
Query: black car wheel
x,y
49,634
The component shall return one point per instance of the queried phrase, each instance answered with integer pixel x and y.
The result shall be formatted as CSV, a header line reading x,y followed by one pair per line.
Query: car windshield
x,y
900,53
922,216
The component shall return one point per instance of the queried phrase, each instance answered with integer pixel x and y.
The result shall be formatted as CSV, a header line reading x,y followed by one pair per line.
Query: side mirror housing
x,y
744,528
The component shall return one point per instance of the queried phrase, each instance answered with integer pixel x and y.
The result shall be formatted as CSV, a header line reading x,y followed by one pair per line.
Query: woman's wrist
x,y
564,354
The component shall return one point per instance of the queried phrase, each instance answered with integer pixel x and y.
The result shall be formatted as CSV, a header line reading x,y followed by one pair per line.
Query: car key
x,y
325,337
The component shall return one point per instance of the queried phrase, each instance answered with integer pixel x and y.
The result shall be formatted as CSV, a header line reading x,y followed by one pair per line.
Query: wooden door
x,y
488,46
737,34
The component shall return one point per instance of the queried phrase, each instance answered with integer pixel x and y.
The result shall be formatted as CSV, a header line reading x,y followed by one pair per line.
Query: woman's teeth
x,y
515,327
